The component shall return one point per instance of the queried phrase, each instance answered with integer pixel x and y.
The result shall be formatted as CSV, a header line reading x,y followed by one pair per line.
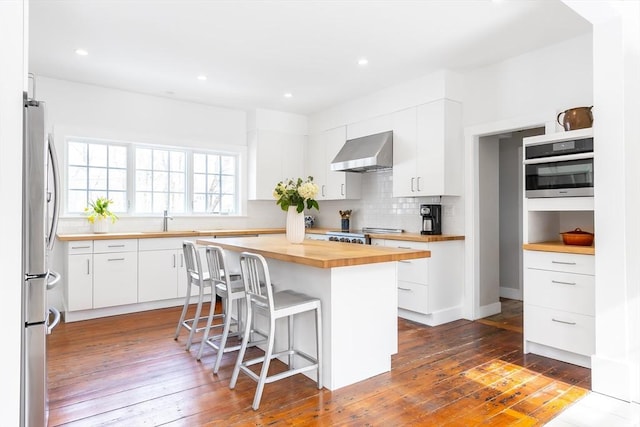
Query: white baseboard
x,y
511,293
558,354
489,310
432,319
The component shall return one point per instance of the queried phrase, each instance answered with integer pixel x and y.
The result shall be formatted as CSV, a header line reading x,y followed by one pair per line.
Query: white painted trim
x,y
472,309
433,319
510,293
558,354
489,310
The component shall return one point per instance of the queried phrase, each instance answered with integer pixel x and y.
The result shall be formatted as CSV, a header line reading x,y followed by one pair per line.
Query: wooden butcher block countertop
x,y
158,234
321,254
560,247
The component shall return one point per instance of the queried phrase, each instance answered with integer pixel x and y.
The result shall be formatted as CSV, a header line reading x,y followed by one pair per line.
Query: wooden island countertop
x,y
315,253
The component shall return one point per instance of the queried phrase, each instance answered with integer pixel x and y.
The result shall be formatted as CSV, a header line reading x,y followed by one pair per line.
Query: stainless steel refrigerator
x,y
40,206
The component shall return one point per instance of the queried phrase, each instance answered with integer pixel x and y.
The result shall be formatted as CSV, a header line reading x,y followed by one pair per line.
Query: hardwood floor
x,y
128,371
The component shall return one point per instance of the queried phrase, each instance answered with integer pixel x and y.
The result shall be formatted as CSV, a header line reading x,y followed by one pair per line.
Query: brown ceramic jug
x,y
576,118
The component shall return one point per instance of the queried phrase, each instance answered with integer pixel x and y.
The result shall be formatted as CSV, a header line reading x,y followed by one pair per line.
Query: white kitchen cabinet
x,y
430,289
333,185
428,150
273,157
79,276
559,305
160,262
115,273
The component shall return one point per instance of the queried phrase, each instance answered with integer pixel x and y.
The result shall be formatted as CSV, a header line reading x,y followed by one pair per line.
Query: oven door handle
x,y
559,159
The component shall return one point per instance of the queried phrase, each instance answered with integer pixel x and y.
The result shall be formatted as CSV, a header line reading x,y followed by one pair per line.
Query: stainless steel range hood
x,y
371,152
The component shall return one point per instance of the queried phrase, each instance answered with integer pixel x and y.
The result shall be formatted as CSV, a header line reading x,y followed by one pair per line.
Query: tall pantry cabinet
x,y
559,279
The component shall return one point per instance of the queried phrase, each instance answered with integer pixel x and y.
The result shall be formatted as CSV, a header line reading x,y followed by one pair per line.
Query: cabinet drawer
x,y
560,329
121,245
569,263
80,247
413,296
574,293
159,244
413,270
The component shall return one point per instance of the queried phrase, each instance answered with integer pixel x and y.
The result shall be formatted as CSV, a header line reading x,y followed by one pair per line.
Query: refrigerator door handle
x,y
51,238
53,283
56,319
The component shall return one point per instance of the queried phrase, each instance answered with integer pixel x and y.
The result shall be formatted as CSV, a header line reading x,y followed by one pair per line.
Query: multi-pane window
x,y
96,170
145,179
160,180
214,183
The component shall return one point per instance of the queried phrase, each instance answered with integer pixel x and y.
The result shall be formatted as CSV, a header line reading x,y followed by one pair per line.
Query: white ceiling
x,y
254,51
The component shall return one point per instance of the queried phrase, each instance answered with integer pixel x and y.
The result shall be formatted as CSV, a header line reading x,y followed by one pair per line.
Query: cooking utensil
x,y
576,118
577,237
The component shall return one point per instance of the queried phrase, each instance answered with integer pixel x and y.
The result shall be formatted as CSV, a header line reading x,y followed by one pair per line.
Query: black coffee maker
x,y
431,219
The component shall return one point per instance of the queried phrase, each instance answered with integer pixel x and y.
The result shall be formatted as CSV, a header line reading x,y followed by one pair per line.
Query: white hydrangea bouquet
x,y
296,193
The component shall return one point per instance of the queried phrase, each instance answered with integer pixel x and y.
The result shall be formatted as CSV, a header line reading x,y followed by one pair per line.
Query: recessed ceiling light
x,y
288,95
82,52
202,77
363,61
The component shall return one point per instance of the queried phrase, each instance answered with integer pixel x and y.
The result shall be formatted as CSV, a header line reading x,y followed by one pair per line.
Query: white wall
x,y
98,112
12,76
488,212
550,79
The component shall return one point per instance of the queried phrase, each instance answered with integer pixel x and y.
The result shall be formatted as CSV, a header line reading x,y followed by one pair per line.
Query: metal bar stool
x,y
284,304
229,288
195,277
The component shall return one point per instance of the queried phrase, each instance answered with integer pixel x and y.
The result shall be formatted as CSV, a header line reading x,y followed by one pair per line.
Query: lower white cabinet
x,y
115,272
430,290
107,277
79,276
559,306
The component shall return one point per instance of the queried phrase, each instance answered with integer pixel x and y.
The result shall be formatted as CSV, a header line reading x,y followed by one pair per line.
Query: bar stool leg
x,y
243,349
290,355
225,333
319,345
207,329
265,364
194,324
183,315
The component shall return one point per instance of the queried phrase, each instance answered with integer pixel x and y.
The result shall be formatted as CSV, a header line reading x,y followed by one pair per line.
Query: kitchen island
x,y
357,285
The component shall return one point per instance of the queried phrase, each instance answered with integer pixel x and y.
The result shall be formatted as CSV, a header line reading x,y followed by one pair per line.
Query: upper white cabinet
x,y
273,156
428,150
321,150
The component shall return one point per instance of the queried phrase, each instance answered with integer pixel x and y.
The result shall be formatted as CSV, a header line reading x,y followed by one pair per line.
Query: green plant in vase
x,y
99,210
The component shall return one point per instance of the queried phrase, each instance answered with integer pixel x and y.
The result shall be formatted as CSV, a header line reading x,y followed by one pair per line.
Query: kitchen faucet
x,y
165,219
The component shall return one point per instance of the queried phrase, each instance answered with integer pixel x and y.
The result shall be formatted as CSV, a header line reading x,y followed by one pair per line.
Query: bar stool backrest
x,y
217,265
256,279
193,264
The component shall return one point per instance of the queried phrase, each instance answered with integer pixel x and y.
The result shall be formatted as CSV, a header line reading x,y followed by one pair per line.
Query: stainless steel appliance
x,y
559,169
367,153
431,219
361,237
40,206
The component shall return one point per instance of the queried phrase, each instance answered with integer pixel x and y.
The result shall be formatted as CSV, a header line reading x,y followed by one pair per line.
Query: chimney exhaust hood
x,y
367,153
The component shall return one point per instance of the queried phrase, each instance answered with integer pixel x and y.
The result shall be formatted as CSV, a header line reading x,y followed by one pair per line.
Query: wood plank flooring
x,y
128,371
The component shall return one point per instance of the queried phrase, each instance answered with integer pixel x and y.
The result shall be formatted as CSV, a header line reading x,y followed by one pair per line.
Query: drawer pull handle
x,y
563,321
404,247
80,247
563,263
404,289
115,246
115,259
563,283
405,262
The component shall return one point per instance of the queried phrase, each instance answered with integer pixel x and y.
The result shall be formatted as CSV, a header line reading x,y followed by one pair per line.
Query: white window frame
x,y
239,152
